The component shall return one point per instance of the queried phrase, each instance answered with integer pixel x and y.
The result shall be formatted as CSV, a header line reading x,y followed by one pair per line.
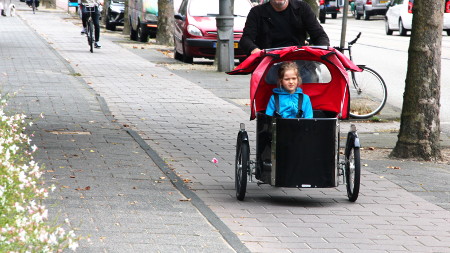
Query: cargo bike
x,y
300,153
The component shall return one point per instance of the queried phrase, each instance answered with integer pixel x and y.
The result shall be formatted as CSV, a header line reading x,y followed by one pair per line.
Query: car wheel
x,y
366,15
142,35
334,15
108,24
186,59
401,28
133,34
388,29
322,17
448,32
358,16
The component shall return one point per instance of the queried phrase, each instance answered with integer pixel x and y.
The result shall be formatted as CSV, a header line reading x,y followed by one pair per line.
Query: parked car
x,y
328,7
399,17
114,14
368,8
143,16
195,33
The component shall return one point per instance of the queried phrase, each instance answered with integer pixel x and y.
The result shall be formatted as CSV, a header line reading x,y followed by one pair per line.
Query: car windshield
x,y
202,8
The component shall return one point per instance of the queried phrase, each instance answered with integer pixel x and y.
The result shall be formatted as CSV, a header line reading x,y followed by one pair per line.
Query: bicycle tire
x,y
368,94
90,34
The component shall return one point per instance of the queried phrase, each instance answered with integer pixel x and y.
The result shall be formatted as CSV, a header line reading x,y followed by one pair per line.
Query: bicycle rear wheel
x,y
90,35
368,94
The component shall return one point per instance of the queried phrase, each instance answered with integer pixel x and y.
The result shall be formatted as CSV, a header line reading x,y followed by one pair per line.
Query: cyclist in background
x,y
30,2
95,17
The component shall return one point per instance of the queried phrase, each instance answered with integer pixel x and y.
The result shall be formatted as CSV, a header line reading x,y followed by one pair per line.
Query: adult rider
x,y
95,17
281,23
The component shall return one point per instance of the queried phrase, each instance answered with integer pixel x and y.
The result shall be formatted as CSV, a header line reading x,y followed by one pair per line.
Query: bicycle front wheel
x,y
90,34
368,94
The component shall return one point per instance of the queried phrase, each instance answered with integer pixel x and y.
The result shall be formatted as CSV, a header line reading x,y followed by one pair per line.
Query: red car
x,y
195,33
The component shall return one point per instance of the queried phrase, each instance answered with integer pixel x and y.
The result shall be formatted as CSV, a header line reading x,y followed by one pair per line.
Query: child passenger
x,y
288,93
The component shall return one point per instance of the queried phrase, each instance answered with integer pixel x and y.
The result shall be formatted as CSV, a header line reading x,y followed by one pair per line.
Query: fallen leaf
x,y
185,200
162,177
186,180
365,165
92,151
87,188
50,171
72,176
394,167
371,148
65,186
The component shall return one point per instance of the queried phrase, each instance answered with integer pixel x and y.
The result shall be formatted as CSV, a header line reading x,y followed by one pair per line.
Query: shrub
x,y
24,224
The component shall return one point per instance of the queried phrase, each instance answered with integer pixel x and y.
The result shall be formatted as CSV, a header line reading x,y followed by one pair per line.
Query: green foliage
x,y
24,225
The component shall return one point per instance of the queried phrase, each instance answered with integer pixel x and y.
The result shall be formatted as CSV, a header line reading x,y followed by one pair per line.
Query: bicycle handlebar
x,y
356,39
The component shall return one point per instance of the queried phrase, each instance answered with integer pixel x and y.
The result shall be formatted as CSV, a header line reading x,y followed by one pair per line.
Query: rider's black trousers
x,y
95,18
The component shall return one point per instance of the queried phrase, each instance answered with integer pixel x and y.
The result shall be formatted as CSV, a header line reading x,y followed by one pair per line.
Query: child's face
x,y
290,81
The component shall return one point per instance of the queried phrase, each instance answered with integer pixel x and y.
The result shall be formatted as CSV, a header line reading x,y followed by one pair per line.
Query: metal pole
x,y
344,24
225,42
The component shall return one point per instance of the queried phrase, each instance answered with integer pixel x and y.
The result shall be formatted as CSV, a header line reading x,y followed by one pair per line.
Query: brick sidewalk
x,y
188,126
107,184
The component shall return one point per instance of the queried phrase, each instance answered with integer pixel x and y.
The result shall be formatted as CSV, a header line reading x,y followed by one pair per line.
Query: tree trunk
x,y
314,6
420,124
164,36
126,20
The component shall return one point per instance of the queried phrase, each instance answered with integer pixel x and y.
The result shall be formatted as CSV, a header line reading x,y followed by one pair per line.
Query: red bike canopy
x,y
323,71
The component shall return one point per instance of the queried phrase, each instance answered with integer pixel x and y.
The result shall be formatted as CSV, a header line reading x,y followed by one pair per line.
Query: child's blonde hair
x,y
285,66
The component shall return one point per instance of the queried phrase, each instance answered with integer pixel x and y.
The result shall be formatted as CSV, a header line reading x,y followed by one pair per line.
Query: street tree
x,y
126,20
420,124
164,36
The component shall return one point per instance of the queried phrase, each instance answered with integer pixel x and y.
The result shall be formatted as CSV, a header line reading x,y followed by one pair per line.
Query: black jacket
x,y
257,30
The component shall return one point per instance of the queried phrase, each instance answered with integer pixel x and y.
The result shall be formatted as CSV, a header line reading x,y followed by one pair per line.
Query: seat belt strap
x,y
300,106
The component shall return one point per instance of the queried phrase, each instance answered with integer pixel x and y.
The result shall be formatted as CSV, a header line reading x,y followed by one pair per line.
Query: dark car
x,y
195,33
114,14
328,7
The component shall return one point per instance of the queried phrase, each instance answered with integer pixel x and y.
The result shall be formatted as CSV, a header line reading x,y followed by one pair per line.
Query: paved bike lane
x,y
188,126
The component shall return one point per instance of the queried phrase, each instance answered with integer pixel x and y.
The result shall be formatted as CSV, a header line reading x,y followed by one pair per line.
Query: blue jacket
x,y
289,104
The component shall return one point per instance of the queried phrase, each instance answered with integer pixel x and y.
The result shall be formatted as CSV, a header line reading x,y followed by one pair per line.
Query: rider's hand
x,y
256,50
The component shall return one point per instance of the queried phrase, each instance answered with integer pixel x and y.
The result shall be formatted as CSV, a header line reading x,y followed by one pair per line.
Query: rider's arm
x,y
313,27
250,31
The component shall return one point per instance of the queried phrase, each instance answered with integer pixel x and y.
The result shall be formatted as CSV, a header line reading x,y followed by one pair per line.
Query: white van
x,y
143,16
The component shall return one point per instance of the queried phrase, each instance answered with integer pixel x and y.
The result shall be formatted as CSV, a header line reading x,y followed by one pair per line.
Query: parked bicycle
x,y
368,94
